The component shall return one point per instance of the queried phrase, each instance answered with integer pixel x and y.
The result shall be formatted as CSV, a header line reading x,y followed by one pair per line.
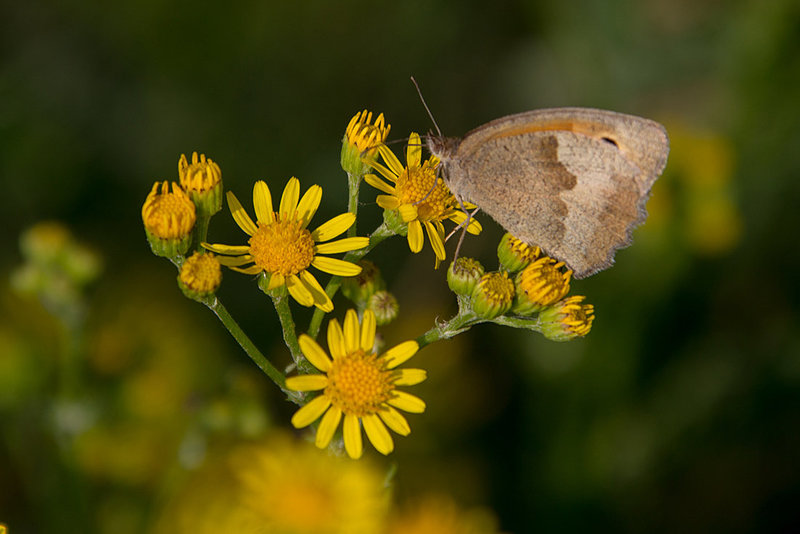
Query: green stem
x,y
457,325
519,322
249,347
201,231
353,182
281,303
380,233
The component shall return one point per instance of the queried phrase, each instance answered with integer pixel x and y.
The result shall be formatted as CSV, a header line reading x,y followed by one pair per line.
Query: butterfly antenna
x,y
422,98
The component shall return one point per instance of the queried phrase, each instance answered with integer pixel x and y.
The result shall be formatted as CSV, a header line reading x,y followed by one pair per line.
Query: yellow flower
x,y
281,247
420,197
541,284
515,255
567,319
357,384
202,181
439,514
361,140
200,275
493,295
293,488
277,485
168,219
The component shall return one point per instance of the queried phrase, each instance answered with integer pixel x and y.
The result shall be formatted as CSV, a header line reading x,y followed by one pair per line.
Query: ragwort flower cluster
x,y
353,385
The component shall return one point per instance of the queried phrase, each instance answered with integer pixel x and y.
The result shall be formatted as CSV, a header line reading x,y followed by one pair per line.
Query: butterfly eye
x,y
610,141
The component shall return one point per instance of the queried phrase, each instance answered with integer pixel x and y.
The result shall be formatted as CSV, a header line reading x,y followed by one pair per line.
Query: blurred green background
x,y
679,412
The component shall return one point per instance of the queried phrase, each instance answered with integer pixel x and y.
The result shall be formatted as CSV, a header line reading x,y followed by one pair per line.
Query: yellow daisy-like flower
x,y
277,485
420,197
281,247
439,514
357,384
361,140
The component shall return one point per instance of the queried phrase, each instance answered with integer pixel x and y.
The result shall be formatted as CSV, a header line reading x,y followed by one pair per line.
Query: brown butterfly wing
x,y
571,180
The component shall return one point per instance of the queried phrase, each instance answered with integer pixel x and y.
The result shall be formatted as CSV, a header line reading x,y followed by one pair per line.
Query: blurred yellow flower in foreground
x,y
437,514
283,486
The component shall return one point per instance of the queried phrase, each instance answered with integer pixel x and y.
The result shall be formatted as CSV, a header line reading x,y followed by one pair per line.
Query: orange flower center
x,y
282,247
421,187
359,384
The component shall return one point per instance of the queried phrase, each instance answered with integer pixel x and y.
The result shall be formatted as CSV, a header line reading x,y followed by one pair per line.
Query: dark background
x,y
679,412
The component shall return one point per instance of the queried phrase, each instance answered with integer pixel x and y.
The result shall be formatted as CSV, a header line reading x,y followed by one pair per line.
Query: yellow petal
x,y
414,150
377,434
289,198
395,420
307,382
387,202
310,412
408,212
367,340
379,184
474,227
275,280
351,331
327,427
240,216
262,200
385,172
299,291
336,226
352,437
235,261
342,245
336,339
407,402
253,269
335,267
308,204
314,353
410,377
437,241
229,250
395,167
321,299
400,353
415,238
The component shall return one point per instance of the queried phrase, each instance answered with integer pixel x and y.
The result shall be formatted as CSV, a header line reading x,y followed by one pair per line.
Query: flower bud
x,y
567,319
463,275
540,284
514,254
168,220
493,295
200,275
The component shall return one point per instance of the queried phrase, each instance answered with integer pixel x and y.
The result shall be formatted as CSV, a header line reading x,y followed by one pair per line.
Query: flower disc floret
x,y
282,247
